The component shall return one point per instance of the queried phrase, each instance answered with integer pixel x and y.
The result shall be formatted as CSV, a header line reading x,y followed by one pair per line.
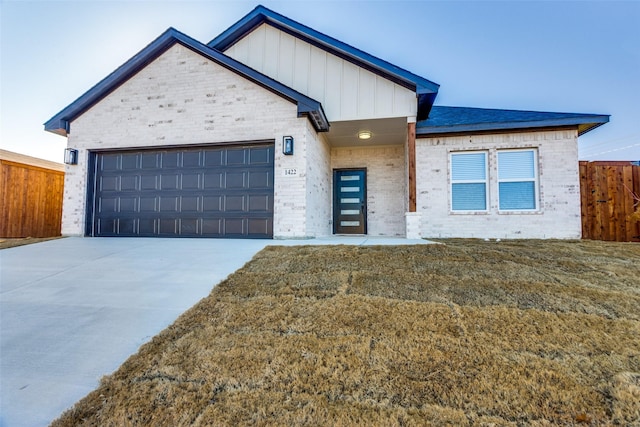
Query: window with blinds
x,y
469,181
517,180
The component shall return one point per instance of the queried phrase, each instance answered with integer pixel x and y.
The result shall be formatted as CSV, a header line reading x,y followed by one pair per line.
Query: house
x,y
30,196
275,130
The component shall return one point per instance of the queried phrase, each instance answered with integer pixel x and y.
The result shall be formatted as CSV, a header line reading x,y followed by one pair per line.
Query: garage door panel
x,y
236,157
169,204
148,204
168,226
127,226
149,160
260,156
213,157
260,203
234,203
169,159
213,180
169,182
212,227
234,226
260,226
189,204
128,205
107,205
207,192
109,163
235,180
148,182
192,159
191,181
109,183
147,226
130,161
129,183
260,180
212,204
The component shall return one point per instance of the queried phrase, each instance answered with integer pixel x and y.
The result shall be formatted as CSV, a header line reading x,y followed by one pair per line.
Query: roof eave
x,y
584,124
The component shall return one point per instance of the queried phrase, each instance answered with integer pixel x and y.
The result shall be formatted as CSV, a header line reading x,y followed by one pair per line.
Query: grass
x,y
6,243
468,333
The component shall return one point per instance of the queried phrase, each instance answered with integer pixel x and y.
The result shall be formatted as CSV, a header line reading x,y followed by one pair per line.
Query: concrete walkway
x,y
73,309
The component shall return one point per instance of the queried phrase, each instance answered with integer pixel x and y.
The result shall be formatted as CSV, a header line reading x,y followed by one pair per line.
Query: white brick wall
x,y
318,185
385,184
559,213
183,98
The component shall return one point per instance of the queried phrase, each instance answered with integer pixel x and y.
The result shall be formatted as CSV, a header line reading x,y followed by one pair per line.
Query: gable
x,y
424,90
181,98
346,91
60,123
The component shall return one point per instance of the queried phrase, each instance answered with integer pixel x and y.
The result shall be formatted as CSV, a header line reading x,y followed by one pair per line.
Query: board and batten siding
x,y
346,91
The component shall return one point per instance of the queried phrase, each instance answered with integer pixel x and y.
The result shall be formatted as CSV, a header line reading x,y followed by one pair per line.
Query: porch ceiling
x,y
392,131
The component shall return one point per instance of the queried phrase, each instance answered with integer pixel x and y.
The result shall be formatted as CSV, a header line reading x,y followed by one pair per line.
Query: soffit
x,y
391,131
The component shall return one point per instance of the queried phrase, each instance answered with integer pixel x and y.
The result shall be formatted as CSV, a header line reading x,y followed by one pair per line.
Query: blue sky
x,y
574,56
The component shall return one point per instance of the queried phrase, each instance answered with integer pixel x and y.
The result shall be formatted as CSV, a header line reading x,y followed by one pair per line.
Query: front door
x,y
350,201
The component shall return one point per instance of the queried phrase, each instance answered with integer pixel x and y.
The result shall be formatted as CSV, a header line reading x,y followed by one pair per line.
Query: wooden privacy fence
x,y
609,192
30,196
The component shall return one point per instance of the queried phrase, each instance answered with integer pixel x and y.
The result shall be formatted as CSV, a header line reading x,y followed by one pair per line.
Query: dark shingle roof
x,y
306,106
464,119
425,89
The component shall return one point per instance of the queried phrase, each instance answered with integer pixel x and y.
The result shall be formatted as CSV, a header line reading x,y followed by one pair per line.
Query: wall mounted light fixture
x,y
71,156
287,145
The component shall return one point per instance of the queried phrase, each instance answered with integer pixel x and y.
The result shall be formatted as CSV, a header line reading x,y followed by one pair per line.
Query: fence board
x,y
30,200
608,203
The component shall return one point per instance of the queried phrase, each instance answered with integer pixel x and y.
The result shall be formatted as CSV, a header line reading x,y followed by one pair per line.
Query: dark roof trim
x,y
451,120
376,65
60,123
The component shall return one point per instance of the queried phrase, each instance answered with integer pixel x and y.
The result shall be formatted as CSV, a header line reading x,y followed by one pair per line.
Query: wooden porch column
x,y
411,135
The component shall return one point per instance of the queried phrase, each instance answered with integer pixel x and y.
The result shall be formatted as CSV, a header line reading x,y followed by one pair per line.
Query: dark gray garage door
x,y
194,192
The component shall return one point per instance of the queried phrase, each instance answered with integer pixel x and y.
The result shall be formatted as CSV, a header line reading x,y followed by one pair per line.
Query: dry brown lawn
x,y
6,243
465,333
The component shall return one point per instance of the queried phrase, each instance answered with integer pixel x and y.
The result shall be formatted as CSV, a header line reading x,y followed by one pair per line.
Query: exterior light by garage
x,y
364,134
70,156
287,145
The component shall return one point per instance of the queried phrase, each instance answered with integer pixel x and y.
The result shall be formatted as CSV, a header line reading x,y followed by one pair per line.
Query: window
x,y
517,180
469,181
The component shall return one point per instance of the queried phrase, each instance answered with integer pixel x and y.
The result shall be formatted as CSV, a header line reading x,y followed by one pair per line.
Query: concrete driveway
x,y
72,310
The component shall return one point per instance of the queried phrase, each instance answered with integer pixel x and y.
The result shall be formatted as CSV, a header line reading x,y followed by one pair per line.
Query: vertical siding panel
x,y
240,51
349,101
285,59
333,85
256,52
366,93
272,49
318,77
384,97
302,61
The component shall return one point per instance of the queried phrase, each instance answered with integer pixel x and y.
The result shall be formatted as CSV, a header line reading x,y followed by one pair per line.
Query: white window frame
x,y
484,181
535,179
